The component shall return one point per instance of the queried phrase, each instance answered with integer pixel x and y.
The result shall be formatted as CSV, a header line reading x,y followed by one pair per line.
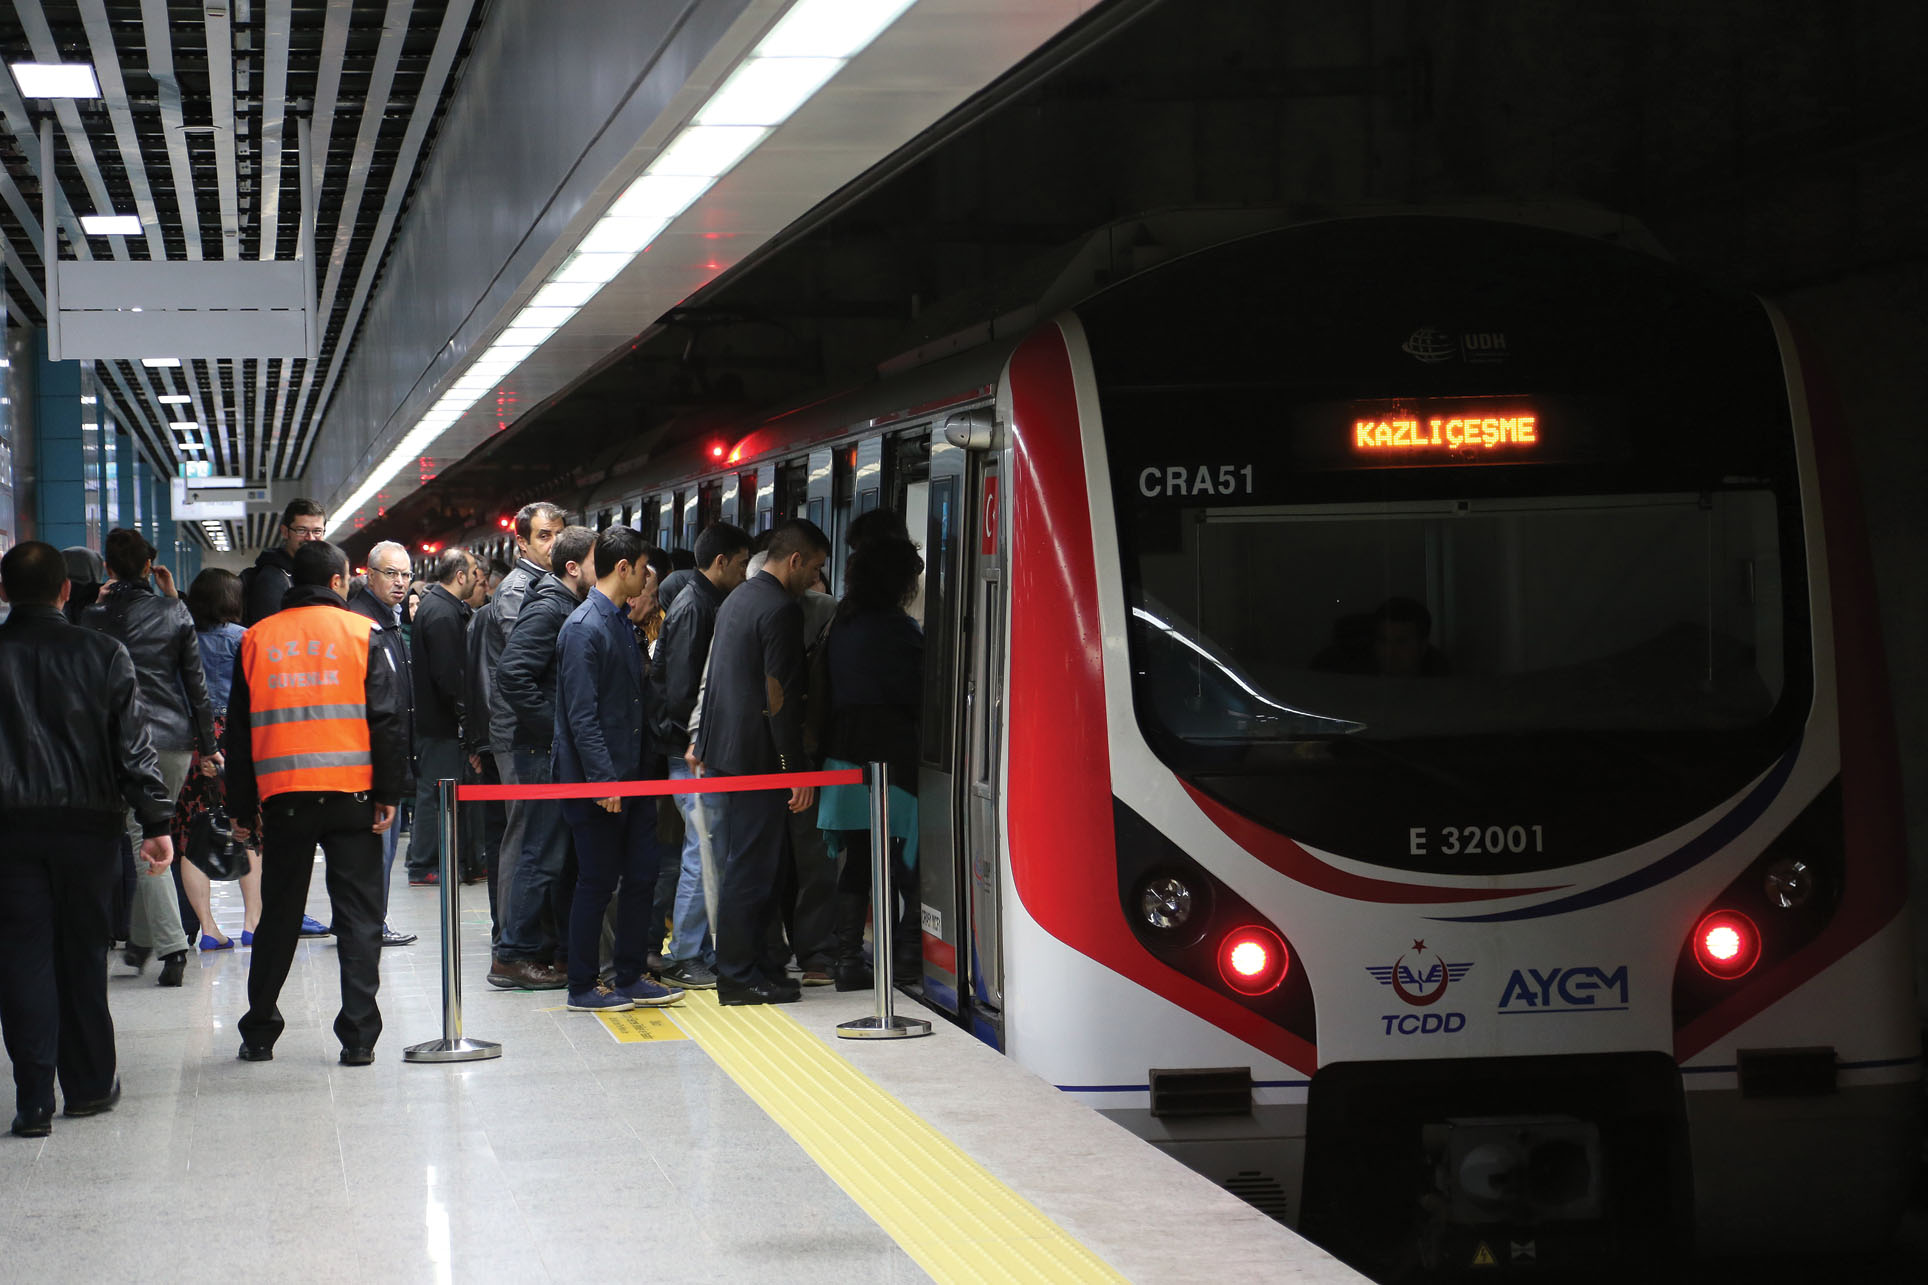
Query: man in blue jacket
x,y
600,737
525,678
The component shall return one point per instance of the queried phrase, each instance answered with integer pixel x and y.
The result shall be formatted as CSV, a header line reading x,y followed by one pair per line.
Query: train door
x,y
982,733
963,612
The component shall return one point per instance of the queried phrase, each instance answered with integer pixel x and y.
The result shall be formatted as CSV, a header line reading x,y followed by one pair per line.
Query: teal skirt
x,y
847,807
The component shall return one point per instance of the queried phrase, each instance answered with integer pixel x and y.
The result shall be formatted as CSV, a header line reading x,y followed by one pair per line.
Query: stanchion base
x,y
873,1028
452,1051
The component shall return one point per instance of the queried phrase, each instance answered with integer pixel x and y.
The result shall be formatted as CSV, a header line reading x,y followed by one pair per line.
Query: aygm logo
x,y
1419,977
1566,990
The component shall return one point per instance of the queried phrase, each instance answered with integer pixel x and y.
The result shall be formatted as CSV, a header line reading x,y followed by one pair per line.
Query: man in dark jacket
x,y
74,754
722,555
439,657
526,680
159,635
536,527
381,601
752,724
263,584
317,743
599,736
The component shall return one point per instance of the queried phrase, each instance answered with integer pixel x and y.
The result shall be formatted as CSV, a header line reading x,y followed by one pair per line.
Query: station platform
x,y
694,1143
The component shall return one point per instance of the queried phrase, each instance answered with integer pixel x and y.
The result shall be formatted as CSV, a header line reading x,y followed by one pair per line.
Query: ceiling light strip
x,y
813,41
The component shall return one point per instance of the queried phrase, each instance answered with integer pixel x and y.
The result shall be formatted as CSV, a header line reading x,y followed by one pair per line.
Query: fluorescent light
x,y
564,294
184,425
531,335
625,237
111,225
506,349
658,196
598,268
176,399
707,151
547,320
764,91
830,28
56,80
160,363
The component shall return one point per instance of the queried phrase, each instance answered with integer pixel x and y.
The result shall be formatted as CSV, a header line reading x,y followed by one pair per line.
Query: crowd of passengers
x,y
147,740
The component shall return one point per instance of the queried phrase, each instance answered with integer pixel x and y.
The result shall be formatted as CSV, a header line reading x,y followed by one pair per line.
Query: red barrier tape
x,y
631,789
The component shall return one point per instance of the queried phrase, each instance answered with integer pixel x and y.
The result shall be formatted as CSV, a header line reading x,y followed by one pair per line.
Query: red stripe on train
x,y
1063,849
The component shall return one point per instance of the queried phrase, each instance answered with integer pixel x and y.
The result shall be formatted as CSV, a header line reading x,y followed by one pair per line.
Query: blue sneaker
x,y
643,993
600,1000
313,927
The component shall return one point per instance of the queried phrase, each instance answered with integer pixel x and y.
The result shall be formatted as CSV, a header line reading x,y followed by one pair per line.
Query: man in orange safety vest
x,y
317,753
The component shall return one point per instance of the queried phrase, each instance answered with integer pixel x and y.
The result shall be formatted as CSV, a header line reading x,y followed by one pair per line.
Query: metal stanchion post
x,y
452,1047
884,1026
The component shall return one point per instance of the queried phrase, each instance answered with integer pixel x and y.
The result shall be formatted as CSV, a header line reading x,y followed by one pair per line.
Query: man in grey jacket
x,y
536,527
159,635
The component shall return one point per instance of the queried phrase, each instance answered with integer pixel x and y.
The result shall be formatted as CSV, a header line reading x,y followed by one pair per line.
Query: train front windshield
x,y
1485,617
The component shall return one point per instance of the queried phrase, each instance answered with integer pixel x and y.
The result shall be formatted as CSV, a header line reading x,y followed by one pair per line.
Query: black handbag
x,y
211,845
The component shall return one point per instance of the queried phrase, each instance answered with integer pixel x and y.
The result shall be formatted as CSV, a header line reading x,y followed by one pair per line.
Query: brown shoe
x,y
525,975
815,977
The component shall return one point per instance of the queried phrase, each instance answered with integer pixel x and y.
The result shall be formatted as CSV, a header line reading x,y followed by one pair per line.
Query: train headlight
x,y
1790,884
1166,903
1252,960
1727,944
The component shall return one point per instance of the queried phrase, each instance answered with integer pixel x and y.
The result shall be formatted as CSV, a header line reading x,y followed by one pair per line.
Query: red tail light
x,y
1252,960
1727,944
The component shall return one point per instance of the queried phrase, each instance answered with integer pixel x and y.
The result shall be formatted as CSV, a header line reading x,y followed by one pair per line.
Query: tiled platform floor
x,y
571,1157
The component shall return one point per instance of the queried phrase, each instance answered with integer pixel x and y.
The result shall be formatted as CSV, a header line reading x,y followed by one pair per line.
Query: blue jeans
x,y
545,850
690,921
391,840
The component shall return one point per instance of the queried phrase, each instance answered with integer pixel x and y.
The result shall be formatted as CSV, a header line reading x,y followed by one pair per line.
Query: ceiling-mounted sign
x,y
222,499
197,308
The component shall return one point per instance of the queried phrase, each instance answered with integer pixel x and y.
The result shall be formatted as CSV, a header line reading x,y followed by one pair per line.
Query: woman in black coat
x,y
875,660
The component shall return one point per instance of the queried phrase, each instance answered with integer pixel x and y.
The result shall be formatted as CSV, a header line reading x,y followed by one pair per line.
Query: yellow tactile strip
x,y
949,1214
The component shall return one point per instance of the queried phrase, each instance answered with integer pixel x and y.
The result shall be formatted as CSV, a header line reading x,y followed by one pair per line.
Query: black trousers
x,y
810,904
747,830
57,891
292,825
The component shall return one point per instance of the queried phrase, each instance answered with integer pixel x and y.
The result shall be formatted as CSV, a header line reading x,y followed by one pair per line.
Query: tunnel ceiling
x,y
1768,146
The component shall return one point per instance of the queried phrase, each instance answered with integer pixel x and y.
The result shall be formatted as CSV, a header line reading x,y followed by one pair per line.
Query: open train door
x,y
964,613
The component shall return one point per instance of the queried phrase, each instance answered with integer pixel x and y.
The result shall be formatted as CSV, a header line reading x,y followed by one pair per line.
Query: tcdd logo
x,y
1419,977
1565,990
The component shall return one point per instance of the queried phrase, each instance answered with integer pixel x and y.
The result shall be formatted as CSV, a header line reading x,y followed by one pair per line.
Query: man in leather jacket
x,y
159,635
722,559
74,755
263,584
438,656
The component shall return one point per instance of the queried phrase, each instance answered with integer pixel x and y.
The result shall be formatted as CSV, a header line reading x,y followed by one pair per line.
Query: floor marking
x,y
641,1026
947,1212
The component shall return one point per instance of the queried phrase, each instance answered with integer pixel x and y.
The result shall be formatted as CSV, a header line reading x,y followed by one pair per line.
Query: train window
x,y
843,476
709,508
866,501
816,515
940,610
793,488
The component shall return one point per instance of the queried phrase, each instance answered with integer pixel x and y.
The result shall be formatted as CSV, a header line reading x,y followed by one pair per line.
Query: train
x,y
1348,639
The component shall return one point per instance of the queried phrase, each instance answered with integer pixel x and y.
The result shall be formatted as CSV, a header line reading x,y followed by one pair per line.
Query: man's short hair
x,y
127,553
318,562
526,515
618,544
659,562
720,541
33,572
573,544
798,535
450,564
301,508
384,547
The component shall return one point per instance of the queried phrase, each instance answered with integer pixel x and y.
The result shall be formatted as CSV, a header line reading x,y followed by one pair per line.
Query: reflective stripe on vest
x,y
307,672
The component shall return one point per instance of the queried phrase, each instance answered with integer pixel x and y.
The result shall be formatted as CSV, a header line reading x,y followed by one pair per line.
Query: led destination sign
x,y
1462,435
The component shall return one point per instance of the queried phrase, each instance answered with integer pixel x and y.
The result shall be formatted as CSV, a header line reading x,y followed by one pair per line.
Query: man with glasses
x,y
264,583
381,601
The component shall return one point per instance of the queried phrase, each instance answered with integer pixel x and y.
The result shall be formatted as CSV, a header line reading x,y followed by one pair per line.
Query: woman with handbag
x,y
200,821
